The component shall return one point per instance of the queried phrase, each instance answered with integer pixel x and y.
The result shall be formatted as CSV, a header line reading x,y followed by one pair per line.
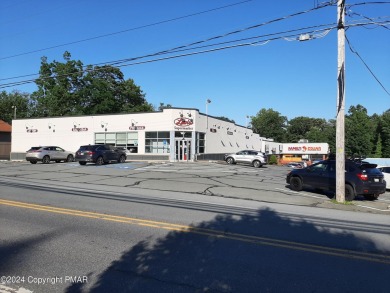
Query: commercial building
x,y
174,134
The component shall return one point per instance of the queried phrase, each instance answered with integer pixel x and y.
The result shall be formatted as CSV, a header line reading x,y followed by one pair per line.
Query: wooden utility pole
x,y
340,117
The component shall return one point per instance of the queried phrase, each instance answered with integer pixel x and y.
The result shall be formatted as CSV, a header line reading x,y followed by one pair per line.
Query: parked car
x,y
295,165
386,174
45,154
254,158
360,179
128,152
99,154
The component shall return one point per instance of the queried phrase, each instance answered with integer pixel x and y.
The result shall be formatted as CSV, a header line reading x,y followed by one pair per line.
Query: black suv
x,y
99,154
360,179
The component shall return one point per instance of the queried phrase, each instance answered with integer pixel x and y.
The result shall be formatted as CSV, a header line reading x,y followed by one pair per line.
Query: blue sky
x,y
291,77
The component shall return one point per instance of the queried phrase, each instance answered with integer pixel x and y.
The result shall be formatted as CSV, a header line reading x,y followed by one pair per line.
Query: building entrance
x,y
182,150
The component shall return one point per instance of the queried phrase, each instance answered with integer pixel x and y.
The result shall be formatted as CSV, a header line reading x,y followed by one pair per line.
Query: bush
x,y
272,160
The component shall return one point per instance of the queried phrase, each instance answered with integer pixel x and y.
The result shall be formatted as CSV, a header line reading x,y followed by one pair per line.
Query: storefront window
x,y
157,142
200,143
126,140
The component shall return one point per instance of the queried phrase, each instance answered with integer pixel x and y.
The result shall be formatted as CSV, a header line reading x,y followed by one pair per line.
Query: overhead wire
x,y
365,64
201,41
246,28
126,30
182,48
378,24
153,60
326,28
254,43
171,51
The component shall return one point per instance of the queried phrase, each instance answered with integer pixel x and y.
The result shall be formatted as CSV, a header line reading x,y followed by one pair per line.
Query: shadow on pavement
x,y
266,252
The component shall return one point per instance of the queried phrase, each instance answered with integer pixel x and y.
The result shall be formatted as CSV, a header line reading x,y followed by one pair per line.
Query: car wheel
x,y
349,193
46,160
70,158
257,164
296,184
99,161
230,161
122,159
33,162
371,197
82,163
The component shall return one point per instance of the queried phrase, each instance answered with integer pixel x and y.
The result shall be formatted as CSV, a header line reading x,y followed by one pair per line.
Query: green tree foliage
x,y
299,127
163,106
14,99
58,87
378,148
384,127
69,88
359,131
270,124
225,119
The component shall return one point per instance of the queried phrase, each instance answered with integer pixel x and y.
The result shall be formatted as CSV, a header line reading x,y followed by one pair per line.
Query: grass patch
x,y
343,203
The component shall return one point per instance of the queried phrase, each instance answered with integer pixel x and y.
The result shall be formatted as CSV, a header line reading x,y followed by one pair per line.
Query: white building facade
x,y
174,134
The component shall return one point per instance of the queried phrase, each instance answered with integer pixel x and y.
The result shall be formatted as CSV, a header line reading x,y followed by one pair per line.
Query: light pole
x,y
14,107
208,101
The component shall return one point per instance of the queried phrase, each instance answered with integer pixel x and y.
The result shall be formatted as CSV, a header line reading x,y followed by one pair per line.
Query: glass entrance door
x,y
182,150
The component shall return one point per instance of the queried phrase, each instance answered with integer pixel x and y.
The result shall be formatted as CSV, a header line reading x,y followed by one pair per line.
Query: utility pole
x,y
340,116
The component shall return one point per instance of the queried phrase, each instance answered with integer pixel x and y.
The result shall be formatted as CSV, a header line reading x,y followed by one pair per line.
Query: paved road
x,y
207,227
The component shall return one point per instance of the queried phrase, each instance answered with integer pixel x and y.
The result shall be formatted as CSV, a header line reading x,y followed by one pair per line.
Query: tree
x,y
384,126
299,127
105,91
225,119
270,124
163,106
359,132
69,88
14,99
58,87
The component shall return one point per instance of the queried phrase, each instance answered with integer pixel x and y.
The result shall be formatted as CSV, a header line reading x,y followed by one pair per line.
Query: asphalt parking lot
x,y
217,179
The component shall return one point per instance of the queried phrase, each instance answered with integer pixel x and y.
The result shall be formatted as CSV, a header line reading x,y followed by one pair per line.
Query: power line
x,y
326,28
198,42
358,14
126,30
367,3
365,64
16,83
247,28
152,60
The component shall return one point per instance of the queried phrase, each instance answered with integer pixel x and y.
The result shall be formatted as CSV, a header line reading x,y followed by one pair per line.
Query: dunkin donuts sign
x,y
314,148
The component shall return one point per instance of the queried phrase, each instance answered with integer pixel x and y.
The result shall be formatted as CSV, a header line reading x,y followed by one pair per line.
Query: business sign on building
x,y
305,148
183,123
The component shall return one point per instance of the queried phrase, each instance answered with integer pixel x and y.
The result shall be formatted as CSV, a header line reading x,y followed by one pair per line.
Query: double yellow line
x,y
372,257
